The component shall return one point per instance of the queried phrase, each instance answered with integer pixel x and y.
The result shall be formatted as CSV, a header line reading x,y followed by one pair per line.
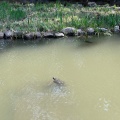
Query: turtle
x,y
58,81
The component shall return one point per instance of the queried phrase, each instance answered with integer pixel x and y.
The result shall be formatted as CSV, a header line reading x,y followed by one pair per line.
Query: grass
x,y
55,16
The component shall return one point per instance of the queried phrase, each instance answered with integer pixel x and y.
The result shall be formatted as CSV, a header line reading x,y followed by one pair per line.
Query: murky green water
x,y
91,72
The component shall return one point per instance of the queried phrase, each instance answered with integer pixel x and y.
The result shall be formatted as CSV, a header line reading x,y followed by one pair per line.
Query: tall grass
x,y
55,16
17,14
4,10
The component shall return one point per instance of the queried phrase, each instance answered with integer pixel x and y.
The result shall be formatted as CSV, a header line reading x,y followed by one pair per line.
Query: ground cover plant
x,y
55,16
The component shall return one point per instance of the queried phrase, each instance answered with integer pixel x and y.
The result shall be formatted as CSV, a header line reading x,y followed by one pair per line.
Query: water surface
x,y
91,72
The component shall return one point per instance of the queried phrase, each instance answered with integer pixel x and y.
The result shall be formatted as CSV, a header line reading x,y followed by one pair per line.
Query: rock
x,y
17,35
80,32
37,35
29,36
103,29
92,4
90,31
58,35
1,35
48,35
70,31
8,34
116,29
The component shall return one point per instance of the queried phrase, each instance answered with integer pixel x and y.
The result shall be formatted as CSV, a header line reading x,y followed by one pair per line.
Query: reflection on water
x,y
91,73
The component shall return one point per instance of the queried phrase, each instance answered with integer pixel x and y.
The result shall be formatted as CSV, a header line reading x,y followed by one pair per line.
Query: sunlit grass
x,y
55,16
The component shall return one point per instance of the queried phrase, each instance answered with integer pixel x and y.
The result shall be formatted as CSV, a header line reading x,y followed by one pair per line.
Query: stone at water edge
x,y
58,35
8,34
48,35
90,31
29,36
17,35
1,35
37,35
70,31
116,29
80,32
103,29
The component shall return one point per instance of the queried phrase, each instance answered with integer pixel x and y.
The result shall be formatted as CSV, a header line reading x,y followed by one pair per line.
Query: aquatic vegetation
x,y
56,16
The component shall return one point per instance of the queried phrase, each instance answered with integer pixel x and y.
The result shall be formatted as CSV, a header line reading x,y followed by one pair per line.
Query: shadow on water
x,y
6,45
88,42
93,41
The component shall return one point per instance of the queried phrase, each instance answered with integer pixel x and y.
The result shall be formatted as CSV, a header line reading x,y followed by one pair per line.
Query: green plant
x,y
17,14
55,16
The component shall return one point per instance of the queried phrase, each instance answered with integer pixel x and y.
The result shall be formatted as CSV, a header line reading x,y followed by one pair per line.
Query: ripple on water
x,y
38,103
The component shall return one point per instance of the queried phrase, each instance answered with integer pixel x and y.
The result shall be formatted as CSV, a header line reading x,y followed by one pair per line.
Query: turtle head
x,y
54,78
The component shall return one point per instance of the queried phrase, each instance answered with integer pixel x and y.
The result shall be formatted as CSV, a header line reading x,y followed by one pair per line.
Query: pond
x,y
90,71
